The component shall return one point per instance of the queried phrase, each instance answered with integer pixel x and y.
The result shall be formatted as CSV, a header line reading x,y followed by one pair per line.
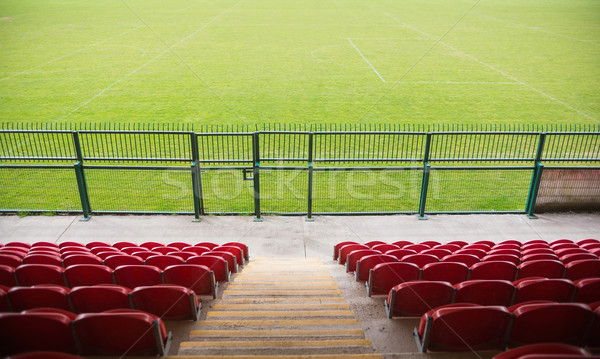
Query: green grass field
x,y
327,61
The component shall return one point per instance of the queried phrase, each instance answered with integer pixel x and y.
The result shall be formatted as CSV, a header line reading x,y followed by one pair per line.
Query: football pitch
x,y
304,61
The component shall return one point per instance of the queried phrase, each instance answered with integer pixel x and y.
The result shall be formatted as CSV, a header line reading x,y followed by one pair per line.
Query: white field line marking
x,y
149,61
424,82
483,63
70,54
367,61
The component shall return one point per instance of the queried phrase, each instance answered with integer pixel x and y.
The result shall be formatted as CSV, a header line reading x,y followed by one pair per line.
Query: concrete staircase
x,y
280,308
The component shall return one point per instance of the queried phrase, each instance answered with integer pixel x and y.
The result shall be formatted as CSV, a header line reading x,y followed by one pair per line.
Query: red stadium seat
x,y
99,298
560,241
165,249
120,260
402,244
412,299
356,255
76,259
468,259
122,333
217,264
7,276
541,268
241,246
458,328
514,252
151,245
132,276
577,257
494,270
70,244
43,295
87,274
230,258
485,292
534,245
99,249
488,243
451,247
163,261
4,305
542,349
134,250
347,249
196,277
382,248
565,251
484,247
32,274
566,323
582,242
440,253
366,263
538,256
182,255
452,272
97,244
552,289
585,268
506,246
178,245
10,260
399,253
516,260
145,254
26,332
417,247
431,244
371,244
167,301
22,245
384,276
593,340
537,251
479,253
121,245
45,355
209,245
588,290
420,259
197,250
461,244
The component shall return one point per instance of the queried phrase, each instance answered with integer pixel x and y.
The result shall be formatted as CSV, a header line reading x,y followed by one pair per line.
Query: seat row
x,y
112,256
381,272
472,327
349,254
542,351
486,246
115,332
167,301
197,277
416,297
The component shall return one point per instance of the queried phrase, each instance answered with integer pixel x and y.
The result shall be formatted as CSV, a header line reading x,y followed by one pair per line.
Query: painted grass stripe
x,y
282,313
275,333
278,343
282,306
313,356
277,322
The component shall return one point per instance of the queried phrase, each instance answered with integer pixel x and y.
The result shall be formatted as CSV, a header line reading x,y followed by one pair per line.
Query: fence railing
x,y
307,170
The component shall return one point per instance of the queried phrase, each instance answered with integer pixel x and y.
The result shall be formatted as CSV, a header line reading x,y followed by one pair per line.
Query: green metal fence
x,y
298,170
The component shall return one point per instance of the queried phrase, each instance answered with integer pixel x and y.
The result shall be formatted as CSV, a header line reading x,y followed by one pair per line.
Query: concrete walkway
x,y
294,236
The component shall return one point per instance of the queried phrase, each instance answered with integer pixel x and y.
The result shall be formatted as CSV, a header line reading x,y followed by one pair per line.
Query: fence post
x,y
534,189
83,192
535,178
309,217
256,173
424,186
196,179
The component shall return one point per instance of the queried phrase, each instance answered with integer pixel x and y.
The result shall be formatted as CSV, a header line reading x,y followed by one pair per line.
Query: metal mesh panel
x,y
366,191
283,147
39,189
572,147
480,146
136,146
226,192
564,190
140,190
283,191
478,190
23,145
232,148
380,148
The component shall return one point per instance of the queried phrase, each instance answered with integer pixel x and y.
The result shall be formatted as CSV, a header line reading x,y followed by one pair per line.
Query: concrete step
x,y
281,324
271,347
314,356
276,334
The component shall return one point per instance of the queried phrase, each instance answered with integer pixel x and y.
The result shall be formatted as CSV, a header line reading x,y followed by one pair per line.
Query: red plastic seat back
x,y
552,289
452,272
170,302
196,277
541,268
347,249
116,260
542,349
87,274
119,333
95,299
32,274
399,253
468,259
26,332
163,261
503,270
217,264
45,295
420,259
132,276
384,247
565,323
588,290
7,277
355,256
387,275
585,268
416,298
369,262
485,292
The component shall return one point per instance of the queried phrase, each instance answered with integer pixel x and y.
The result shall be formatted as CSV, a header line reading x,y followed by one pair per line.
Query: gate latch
x,y
248,174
